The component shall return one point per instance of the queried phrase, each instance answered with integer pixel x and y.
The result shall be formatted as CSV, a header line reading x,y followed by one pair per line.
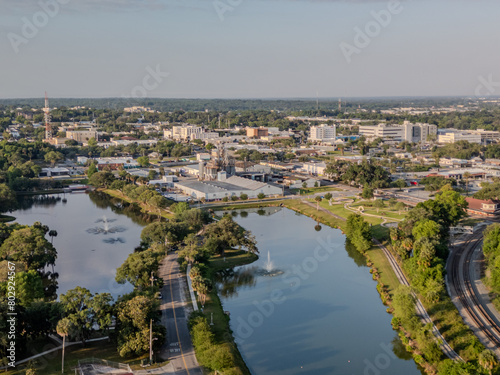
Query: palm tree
x,y
64,326
318,199
341,147
467,175
52,234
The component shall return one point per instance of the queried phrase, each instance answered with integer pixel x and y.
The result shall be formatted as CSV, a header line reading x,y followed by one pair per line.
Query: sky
x,y
249,48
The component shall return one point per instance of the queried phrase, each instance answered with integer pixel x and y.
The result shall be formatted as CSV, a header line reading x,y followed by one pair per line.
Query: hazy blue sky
x,y
271,48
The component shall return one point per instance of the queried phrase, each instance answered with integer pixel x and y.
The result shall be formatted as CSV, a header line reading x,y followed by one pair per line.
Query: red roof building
x,y
488,207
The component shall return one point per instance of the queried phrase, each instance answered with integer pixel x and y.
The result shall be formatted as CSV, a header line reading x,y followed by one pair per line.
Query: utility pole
x,y
150,341
151,328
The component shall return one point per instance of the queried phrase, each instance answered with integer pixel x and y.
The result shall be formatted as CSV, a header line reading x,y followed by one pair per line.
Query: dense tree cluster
x,y
435,183
35,285
489,191
209,353
359,233
491,250
364,174
421,241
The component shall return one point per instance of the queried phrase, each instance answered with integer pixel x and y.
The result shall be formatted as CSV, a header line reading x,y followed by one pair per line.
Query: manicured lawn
x,y
387,275
338,209
232,259
317,215
51,363
313,190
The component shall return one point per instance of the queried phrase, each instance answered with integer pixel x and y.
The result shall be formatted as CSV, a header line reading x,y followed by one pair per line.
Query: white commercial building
x,y
398,133
317,169
226,187
184,132
323,133
452,136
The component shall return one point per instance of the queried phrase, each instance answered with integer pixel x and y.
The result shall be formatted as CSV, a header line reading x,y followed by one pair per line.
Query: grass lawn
x,y
51,363
248,204
313,190
387,275
317,215
221,329
233,258
338,209
388,212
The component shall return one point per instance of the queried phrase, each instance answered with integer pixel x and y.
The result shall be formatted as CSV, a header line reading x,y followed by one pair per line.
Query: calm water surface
x,y
86,257
327,316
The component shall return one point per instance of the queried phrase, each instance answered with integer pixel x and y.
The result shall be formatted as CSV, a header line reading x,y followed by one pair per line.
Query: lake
x,y
93,239
319,314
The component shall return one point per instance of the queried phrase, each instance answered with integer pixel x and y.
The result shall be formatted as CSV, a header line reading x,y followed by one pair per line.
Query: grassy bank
x,y
313,190
245,204
144,207
213,307
50,364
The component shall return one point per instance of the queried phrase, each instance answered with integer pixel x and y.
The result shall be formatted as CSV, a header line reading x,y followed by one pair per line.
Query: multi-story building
x,y
398,133
184,132
487,135
452,136
323,133
257,132
81,135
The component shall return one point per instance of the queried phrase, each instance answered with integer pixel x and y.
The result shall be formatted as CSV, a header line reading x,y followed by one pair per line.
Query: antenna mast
x,y
46,110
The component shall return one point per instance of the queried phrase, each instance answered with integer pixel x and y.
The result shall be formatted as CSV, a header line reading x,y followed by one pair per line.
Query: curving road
x,y
178,347
477,315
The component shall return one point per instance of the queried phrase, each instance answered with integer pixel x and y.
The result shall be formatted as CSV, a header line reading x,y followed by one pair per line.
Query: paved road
x,y
178,347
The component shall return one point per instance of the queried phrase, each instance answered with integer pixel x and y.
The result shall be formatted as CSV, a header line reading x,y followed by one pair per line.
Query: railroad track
x,y
459,276
445,347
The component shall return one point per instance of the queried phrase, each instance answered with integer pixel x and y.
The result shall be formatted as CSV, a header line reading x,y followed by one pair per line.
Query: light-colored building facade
x,y
81,135
184,132
452,136
323,133
398,133
257,132
226,187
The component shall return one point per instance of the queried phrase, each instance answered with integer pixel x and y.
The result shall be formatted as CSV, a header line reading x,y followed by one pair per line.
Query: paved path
x,y
424,316
178,347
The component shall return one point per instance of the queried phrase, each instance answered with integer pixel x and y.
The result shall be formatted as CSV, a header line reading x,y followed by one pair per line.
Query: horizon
x,y
249,50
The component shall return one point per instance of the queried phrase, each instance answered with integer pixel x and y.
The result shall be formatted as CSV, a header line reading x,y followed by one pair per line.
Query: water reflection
x,y
114,240
229,281
105,229
85,259
131,210
26,202
353,253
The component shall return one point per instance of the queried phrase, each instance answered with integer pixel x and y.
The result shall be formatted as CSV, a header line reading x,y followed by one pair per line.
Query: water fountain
x,y
269,269
269,265
106,229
